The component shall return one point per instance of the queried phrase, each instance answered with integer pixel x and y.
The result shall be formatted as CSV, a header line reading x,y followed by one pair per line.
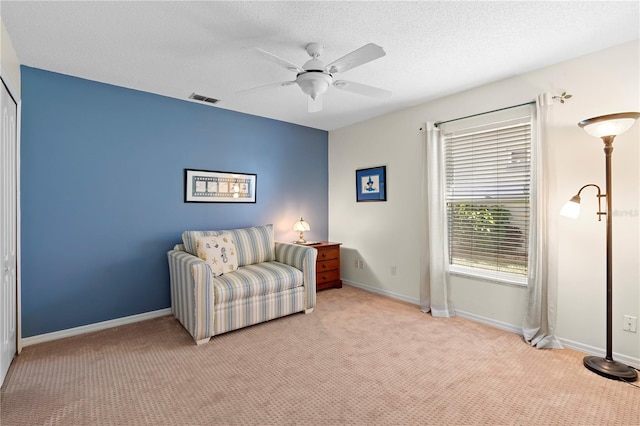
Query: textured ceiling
x,y
433,48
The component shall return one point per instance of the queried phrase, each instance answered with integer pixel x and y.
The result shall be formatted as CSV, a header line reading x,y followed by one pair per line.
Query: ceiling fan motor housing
x,y
313,65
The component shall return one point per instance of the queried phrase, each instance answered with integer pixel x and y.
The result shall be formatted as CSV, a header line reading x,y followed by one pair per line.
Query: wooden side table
x,y
328,265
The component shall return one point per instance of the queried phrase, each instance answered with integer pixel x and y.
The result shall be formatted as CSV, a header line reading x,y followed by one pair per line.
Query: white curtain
x,y
435,295
540,319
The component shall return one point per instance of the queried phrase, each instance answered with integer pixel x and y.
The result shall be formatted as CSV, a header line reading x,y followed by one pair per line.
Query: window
x,y
487,190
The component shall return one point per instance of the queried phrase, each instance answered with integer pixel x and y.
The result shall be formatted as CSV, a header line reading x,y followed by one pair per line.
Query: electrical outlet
x,y
361,264
355,263
394,270
630,323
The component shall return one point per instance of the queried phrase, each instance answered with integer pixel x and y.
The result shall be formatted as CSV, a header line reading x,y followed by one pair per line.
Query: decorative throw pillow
x,y
218,252
189,239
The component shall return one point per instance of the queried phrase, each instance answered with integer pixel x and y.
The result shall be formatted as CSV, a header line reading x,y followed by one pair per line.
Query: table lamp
x,y
301,226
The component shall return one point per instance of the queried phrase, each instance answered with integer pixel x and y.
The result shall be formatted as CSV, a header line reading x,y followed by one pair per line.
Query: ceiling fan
x,y
314,78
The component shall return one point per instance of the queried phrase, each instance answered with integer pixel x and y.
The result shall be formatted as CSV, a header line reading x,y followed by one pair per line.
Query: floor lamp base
x,y
610,369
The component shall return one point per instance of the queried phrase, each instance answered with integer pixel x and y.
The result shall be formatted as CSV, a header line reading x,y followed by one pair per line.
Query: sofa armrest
x,y
192,297
303,258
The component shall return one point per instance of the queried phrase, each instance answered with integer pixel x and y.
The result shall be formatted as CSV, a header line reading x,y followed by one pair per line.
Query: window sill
x,y
491,276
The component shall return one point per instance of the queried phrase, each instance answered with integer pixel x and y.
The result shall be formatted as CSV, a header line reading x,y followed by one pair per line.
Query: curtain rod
x,y
438,123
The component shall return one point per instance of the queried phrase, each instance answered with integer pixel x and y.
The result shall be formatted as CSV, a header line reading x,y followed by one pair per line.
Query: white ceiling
x,y
433,48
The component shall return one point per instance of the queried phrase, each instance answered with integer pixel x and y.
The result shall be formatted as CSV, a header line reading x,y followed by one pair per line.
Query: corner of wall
x,y
9,64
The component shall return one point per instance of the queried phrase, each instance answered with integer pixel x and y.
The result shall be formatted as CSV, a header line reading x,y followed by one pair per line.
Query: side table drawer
x,y
328,265
329,276
328,253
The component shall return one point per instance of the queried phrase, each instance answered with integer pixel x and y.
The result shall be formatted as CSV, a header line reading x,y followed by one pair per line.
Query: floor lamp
x,y
606,127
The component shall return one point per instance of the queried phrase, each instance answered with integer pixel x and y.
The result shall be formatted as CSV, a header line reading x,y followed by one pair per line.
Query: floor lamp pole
x,y
608,150
607,367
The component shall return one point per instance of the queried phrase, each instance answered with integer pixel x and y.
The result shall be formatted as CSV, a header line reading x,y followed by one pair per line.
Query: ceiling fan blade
x,y
361,89
278,60
315,105
366,53
265,87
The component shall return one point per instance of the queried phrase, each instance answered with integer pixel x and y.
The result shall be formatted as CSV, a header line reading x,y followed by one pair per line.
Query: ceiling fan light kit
x,y
314,83
314,78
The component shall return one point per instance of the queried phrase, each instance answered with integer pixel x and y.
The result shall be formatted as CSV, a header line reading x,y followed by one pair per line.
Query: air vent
x,y
201,98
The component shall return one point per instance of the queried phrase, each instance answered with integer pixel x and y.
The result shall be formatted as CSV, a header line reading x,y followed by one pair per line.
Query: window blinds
x,y
487,178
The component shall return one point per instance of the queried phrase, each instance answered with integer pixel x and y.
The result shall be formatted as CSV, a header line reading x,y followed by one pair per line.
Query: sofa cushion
x,y
218,252
254,245
254,280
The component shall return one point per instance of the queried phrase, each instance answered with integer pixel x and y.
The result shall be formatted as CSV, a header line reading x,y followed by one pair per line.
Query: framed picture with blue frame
x,y
371,184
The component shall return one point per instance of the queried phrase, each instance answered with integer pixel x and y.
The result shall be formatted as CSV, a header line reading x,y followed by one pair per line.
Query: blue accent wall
x,y
102,190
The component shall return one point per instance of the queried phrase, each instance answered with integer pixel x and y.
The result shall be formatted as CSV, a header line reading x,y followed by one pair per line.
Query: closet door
x,y
8,230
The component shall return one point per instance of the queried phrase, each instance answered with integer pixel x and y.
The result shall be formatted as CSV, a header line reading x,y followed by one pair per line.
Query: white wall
x,y
385,234
9,65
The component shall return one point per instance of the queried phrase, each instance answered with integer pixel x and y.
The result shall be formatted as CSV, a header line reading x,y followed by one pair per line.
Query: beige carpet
x,y
359,358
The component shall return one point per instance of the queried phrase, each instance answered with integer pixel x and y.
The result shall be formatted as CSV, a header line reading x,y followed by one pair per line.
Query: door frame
x,y
13,92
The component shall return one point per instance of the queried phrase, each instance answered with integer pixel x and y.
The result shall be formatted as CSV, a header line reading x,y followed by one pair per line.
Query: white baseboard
x,y
580,347
490,321
47,337
591,350
382,292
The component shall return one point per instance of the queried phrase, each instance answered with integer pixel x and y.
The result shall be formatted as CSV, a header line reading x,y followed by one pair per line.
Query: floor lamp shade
x,y
609,125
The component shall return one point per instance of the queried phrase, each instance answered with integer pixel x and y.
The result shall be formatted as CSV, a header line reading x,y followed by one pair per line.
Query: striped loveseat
x,y
271,280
